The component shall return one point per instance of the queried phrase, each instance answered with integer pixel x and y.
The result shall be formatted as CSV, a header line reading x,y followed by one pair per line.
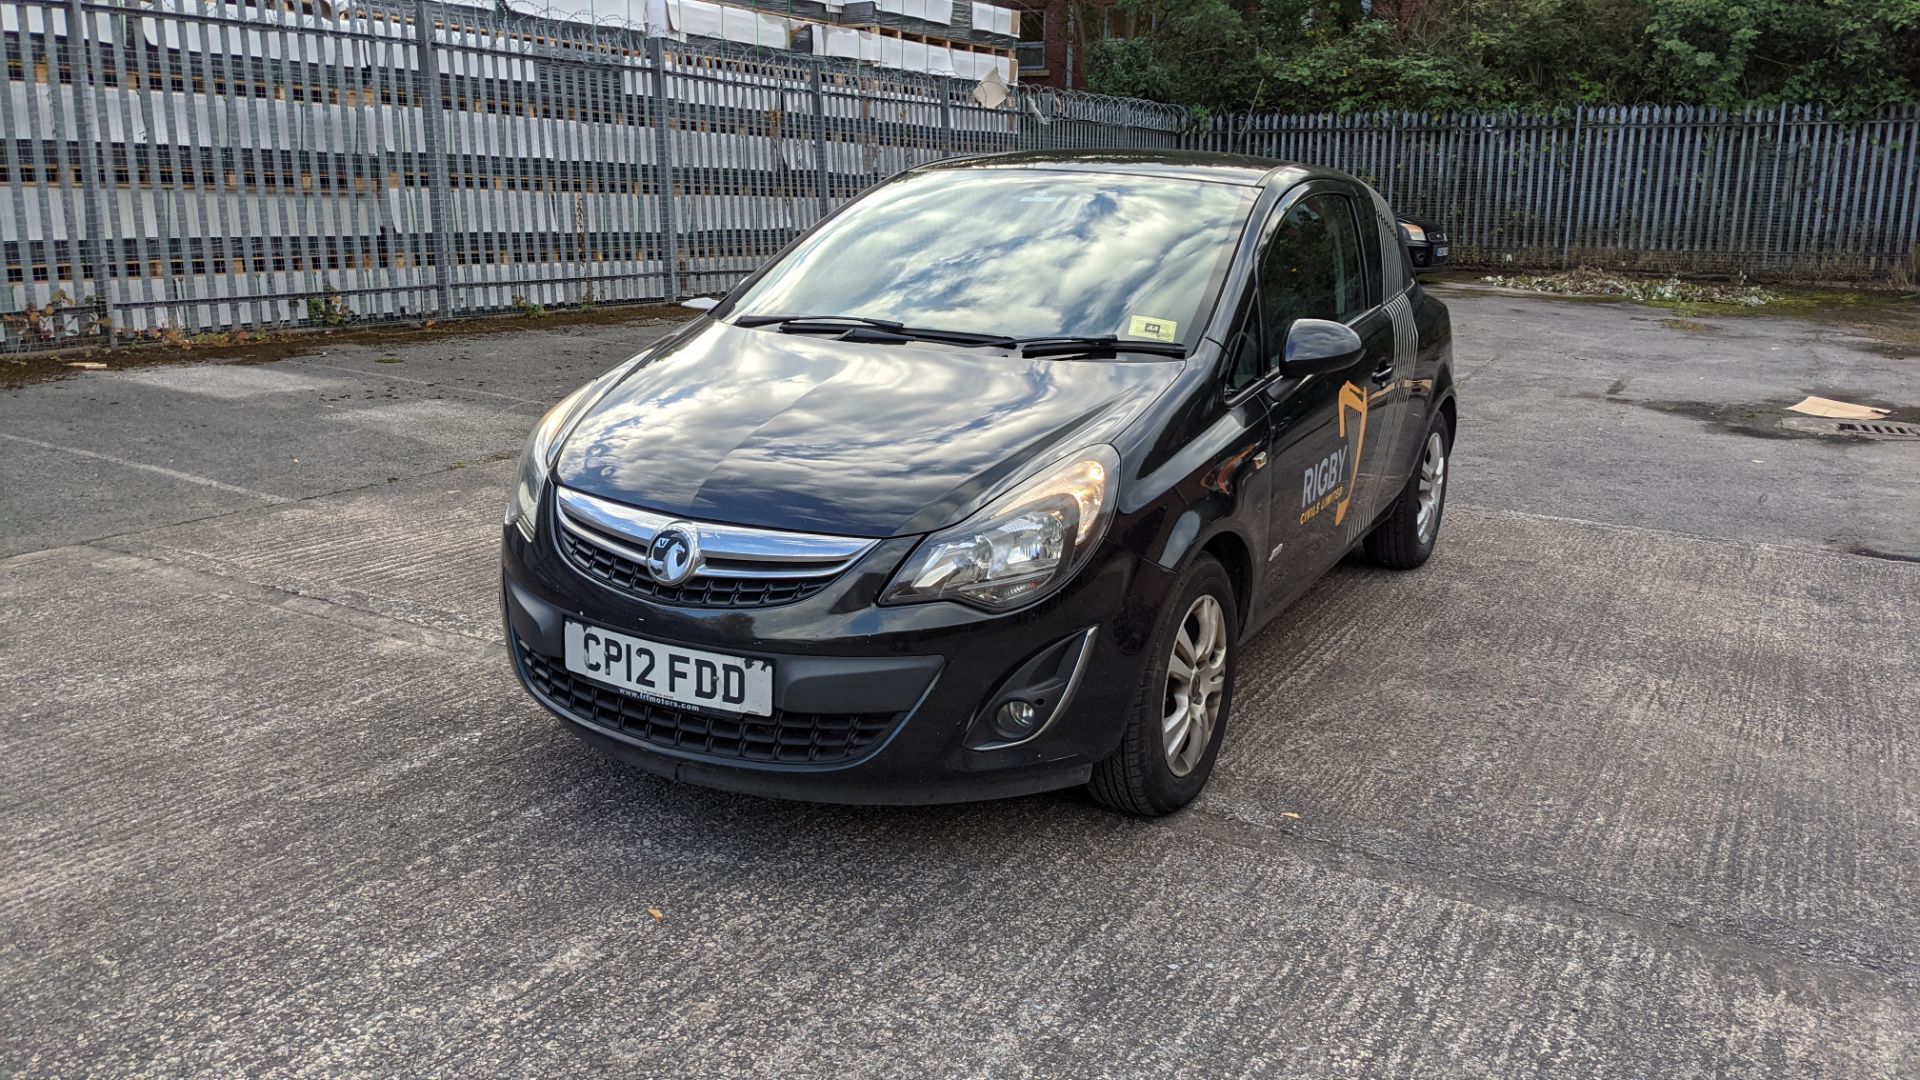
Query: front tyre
x,y
1406,538
1179,714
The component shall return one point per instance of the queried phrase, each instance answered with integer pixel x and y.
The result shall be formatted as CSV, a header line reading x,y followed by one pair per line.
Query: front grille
x,y
629,576
733,566
785,737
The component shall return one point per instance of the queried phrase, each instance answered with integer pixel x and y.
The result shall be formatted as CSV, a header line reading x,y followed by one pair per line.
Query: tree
x,y
1439,55
1855,54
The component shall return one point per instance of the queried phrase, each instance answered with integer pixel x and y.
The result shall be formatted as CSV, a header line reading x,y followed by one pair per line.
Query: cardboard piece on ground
x,y
1837,410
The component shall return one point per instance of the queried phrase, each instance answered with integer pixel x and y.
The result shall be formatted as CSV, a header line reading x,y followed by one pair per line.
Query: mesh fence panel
x,y
190,166
1783,192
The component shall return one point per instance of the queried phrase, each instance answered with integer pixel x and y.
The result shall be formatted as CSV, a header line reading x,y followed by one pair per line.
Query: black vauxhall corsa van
x,y
978,488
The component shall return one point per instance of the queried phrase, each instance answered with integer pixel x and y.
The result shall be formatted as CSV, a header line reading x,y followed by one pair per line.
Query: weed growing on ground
x,y
328,310
1589,282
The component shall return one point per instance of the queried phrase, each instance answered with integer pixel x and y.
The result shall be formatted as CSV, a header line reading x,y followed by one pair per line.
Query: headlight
x,y
1413,232
1023,546
536,461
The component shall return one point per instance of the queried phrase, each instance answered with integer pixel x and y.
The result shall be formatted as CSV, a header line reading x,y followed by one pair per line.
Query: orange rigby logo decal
x,y
1352,397
1330,482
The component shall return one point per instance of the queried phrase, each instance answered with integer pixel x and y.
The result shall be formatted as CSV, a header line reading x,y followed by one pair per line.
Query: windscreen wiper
x,y
827,323
1100,345
861,328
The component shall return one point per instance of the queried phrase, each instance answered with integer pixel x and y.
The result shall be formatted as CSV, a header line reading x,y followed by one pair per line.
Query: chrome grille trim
x,y
730,552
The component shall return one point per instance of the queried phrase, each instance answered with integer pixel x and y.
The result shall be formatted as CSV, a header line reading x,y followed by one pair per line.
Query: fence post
x,y
1391,133
663,162
821,173
946,115
427,95
80,62
1775,199
1574,187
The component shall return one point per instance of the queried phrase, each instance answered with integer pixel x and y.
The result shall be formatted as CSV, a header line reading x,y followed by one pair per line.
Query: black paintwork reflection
x,y
1017,252
756,427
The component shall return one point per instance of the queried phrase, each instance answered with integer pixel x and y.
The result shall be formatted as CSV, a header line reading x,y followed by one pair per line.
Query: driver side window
x,y
1312,268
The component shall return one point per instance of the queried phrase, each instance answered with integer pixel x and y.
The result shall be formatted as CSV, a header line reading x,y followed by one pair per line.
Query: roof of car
x,y
1191,164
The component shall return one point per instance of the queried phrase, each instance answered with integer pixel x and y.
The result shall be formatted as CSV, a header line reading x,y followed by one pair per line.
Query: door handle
x,y
1384,373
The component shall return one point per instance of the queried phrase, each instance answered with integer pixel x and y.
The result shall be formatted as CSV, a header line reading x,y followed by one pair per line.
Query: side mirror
x,y
1315,346
700,303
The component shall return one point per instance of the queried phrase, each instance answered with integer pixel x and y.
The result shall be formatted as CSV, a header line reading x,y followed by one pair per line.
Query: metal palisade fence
x,y
1779,192
192,166
188,167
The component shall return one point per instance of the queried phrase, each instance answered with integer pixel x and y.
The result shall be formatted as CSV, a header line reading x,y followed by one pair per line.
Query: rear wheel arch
x,y
1443,392
1406,536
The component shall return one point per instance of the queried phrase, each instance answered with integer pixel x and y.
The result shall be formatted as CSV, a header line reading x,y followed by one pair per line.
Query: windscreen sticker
x,y
1153,329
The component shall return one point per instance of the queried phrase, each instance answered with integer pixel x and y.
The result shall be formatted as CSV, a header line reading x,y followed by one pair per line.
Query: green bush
x,y
1445,55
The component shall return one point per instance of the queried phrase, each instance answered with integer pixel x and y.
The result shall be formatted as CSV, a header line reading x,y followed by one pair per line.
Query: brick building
x,y
1054,35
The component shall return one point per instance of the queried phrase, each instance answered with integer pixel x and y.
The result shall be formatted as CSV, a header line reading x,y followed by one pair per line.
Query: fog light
x,y
1014,720
1028,702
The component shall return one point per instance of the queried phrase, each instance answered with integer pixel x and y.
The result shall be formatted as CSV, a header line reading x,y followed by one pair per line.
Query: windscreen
x,y
1018,252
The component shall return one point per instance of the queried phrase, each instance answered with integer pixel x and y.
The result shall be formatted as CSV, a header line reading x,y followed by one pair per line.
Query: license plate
x,y
669,673
1440,252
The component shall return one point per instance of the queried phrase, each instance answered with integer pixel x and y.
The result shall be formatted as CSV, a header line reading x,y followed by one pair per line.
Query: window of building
x,y
1033,24
1031,52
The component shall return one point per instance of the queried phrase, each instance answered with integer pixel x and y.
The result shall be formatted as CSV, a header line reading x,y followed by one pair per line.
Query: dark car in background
x,y
978,488
1427,245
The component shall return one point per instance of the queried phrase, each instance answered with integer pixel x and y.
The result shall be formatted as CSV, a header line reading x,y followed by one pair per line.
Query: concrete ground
x,y
1625,782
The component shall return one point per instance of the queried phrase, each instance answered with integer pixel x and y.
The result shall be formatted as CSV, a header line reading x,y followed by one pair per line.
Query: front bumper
x,y
872,704
1428,255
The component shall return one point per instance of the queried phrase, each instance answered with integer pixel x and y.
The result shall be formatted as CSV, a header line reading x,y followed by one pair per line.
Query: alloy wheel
x,y
1196,675
1433,487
